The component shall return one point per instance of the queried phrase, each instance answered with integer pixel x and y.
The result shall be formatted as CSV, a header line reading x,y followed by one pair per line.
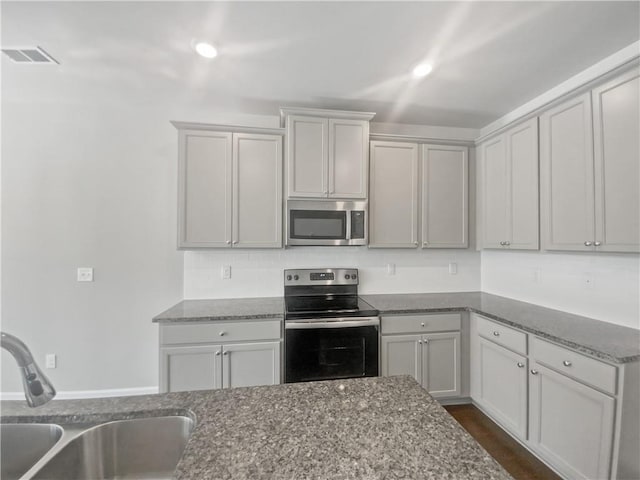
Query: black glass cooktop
x,y
327,306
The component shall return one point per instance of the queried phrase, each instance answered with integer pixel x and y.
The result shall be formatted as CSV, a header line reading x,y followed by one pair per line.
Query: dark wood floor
x,y
510,454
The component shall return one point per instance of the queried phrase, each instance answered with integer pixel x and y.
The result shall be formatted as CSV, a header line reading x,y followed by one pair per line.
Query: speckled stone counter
x,y
373,428
600,339
223,309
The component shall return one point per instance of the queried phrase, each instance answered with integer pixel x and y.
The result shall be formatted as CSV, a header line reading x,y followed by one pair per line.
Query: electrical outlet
x,y
85,274
226,272
453,268
391,268
50,360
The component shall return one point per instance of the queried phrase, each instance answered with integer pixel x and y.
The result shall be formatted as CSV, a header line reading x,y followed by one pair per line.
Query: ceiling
x,y
488,57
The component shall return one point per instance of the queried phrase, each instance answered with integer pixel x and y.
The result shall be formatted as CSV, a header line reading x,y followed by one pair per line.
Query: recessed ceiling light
x,y
422,70
206,50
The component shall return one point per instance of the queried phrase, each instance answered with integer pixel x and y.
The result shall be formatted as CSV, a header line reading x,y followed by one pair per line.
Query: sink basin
x,y
138,448
23,444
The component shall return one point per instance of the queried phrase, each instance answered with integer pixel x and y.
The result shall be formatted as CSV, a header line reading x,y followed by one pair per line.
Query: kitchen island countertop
x,y
367,428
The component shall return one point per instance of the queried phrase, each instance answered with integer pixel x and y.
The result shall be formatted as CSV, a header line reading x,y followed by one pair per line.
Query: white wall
x,y
601,286
260,273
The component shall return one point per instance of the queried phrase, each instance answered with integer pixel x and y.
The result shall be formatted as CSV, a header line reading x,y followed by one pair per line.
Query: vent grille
x,y
32,55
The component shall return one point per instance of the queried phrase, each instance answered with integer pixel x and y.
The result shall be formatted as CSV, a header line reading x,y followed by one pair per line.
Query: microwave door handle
x,y
348,226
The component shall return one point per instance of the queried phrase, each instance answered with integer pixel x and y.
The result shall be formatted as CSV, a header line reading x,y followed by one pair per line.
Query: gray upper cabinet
x,y
510,189
229,190
327,153
590,170
444,182
616,127
393,203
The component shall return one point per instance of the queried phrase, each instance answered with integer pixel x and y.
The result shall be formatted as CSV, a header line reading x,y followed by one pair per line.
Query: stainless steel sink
x,y
23,444
138,448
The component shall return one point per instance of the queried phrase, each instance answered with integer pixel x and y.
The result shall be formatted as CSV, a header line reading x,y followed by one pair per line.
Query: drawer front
x,y
502,335
573,364
441,322
219,332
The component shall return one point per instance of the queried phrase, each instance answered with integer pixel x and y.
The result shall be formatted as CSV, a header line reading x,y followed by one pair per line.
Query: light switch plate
x,y
226,272
85,274
391,268
50,360
453,268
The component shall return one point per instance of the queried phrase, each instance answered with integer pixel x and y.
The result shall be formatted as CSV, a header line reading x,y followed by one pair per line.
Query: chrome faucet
x,y
37,387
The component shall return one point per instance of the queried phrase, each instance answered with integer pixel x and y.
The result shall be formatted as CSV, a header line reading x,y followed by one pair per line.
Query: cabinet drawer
x,y
219,332
442,322
573,364
502,335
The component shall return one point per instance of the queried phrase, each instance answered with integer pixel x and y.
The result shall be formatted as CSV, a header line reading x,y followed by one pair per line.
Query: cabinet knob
x,y
587,243
218,353
422,324
507,243
496,334
597,244
415,243
534,372
235,242
228,242
502,244
226,352
222,333
567,363
520,365
420,342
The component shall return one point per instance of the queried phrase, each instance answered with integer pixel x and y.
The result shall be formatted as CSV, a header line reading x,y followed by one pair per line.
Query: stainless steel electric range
x,y
330,332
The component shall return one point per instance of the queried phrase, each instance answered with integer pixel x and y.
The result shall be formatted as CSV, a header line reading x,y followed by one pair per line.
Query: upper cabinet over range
x,y
327,153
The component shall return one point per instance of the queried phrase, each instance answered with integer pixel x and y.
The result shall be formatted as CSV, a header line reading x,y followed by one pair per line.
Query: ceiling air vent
x,y
32,55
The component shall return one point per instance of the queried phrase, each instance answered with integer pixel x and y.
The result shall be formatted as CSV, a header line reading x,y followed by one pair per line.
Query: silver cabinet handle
x,y
420,342
426,341
534,372
496,334
218,353
228,242
567,363
226,352
587,243
222,333
235,242
507,243
422,324
597,244
425,243
520,365
502,244
415,243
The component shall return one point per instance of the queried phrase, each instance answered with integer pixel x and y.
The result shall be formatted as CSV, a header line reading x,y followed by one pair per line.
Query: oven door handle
x,y
332,323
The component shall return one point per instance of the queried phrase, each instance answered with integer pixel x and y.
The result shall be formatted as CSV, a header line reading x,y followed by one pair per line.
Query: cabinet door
x,y
441,364
502,386
393,205
566,176
494,192
522,154
257,190
190,368
348,158
204,189
616,108
250,364
444,197
571,425
402,355
307,156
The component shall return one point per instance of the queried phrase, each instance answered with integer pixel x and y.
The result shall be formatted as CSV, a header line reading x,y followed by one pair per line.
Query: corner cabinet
x,y
590,169
229,189
509,188
419,195
211,355
327,153
579,414
427,347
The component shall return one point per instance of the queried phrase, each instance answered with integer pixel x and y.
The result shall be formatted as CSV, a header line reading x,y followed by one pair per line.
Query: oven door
x,y
331,349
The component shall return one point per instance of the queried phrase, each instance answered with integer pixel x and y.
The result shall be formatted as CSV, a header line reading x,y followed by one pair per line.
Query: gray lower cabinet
x,y
579,414
210,355
502,386
433,359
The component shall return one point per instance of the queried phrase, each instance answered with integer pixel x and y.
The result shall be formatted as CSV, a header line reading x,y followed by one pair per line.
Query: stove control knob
x,y
289,277
296,277
347,276
354,276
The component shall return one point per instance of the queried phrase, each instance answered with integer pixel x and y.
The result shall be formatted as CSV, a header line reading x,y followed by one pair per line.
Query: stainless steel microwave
x,y
326,222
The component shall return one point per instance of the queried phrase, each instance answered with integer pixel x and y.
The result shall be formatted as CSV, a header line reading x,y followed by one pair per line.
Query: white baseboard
x,y
75,394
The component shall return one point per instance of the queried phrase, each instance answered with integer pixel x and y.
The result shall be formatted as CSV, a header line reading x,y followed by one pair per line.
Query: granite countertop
x,y
604,340
372,428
